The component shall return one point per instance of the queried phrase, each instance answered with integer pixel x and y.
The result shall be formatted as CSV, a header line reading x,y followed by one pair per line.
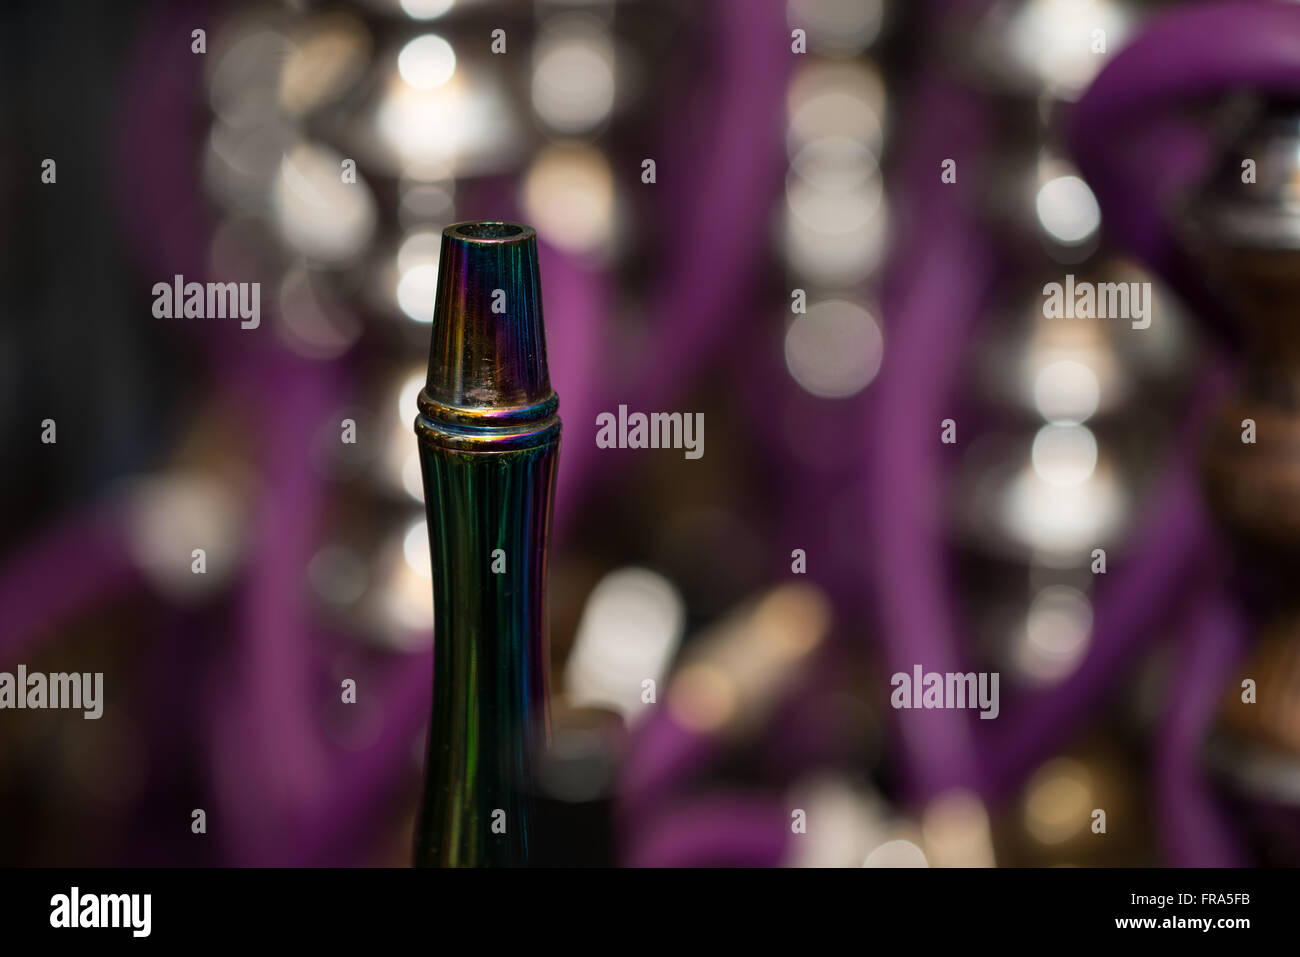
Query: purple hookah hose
x,y
266,742
939,283
1193,827
36,593
1182,57
718,829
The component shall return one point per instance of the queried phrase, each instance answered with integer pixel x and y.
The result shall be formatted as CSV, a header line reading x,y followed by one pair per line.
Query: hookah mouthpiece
x,y
489,443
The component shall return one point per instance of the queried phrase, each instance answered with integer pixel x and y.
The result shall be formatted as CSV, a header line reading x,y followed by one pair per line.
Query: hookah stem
x,y
489,444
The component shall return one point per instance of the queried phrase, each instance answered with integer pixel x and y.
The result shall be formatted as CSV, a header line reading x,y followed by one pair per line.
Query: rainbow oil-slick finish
x,y
489,443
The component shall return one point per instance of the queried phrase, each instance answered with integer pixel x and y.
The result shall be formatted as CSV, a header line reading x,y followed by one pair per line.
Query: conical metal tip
x,y
487,357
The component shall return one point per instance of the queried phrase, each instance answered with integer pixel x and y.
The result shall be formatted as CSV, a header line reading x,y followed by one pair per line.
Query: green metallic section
x,y
489,441
490,650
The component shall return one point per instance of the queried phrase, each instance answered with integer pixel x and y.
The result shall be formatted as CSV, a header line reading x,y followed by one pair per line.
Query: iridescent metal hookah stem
x,y
489,441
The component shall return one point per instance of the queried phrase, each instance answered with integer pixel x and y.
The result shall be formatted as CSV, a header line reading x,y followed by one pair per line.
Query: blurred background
x,y
798,271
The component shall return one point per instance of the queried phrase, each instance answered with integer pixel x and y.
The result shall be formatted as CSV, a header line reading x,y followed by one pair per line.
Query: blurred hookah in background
x,y
1244,227
1220,220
